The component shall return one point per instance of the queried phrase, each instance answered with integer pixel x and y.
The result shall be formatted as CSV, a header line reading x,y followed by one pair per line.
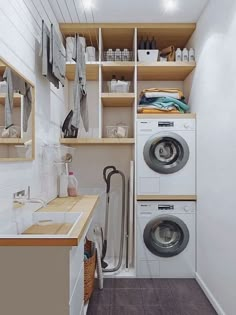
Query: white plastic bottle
x,y
63,185
191,57
178,55
185,55
72,185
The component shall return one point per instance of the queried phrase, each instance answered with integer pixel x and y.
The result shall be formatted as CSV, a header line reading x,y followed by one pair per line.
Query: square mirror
x,y
17,103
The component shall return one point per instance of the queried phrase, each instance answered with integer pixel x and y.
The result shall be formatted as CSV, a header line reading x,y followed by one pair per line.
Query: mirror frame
x,y
5,141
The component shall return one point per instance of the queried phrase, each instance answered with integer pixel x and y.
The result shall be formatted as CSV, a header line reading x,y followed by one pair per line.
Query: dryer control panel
x,y
146,126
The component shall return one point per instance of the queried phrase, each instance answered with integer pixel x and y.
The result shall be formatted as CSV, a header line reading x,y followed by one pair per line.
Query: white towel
x,y
161,94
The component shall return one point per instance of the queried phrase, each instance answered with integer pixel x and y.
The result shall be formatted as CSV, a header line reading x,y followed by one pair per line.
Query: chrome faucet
x,y
22,199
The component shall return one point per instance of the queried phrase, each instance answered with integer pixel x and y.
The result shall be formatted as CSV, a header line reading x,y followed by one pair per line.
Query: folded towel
x,y
157,111
162,94
165,90
164,102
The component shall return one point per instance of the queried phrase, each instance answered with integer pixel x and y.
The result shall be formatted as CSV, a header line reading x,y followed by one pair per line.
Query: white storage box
x,y
148,55
118,86
119,131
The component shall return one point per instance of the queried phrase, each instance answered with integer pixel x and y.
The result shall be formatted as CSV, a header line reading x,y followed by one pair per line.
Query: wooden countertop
x,y
84,204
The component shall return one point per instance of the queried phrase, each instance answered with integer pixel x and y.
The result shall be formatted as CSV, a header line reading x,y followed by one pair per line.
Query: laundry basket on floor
x,y
89,269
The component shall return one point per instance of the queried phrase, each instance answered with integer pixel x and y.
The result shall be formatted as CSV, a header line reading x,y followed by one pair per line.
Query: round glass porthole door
x,y
166,236
166,152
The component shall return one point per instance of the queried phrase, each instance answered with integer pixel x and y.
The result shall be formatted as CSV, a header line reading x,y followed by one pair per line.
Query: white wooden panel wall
x,y
20,25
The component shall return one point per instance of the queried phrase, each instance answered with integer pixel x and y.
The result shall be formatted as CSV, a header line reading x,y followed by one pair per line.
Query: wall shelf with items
x,y
176,34
113,108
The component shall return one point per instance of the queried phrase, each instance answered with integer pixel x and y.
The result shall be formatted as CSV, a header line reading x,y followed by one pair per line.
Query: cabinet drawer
x,y
77,299
76,263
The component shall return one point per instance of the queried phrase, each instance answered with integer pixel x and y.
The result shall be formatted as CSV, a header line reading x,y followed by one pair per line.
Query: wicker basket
x,y
89,272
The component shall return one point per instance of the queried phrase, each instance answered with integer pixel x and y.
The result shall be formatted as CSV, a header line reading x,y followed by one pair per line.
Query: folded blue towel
x,y
164,103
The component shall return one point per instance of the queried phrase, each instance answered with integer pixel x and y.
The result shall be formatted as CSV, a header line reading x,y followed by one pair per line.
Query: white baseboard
x,y
209,295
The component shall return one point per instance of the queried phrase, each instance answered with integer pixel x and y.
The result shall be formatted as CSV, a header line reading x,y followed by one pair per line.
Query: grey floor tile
x,y
197,309
162,310
154,283
187,290
107,283
123,297
96,309
157,297
127,310
126,283
101,297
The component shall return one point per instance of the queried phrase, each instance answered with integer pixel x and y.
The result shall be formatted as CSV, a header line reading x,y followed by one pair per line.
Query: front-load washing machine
x,y
165,239
166,156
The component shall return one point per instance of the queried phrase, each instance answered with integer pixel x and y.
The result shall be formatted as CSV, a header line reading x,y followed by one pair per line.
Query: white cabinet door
x,y
76,263
77,299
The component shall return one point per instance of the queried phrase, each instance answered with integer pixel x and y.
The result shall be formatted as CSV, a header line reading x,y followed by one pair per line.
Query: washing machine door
x,y
166,236
166,152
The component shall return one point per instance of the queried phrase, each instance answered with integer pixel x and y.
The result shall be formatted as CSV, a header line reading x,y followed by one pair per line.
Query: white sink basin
x,y
44,220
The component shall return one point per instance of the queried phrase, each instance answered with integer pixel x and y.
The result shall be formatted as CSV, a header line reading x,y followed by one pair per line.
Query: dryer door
x,y
166,236
166,152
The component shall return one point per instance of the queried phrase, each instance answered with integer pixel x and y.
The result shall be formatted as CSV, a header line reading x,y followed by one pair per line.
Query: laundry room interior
x,y
117,157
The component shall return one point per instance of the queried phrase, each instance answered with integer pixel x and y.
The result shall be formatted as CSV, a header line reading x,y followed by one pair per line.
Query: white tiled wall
x,y
20,26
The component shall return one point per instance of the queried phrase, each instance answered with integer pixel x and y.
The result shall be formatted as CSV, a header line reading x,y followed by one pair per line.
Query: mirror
x,y
16,115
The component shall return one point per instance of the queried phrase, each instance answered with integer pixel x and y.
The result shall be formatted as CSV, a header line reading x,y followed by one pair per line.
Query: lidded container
x,y
178,55
72,185
191,56
185,55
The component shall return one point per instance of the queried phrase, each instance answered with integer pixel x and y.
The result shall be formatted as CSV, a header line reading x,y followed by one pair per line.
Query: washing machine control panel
x,y
150,208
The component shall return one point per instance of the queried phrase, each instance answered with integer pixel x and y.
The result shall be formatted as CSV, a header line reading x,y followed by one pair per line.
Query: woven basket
x,y
89,272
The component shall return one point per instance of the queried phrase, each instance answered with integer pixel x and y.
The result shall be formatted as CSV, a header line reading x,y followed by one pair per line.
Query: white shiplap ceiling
x,y
115,11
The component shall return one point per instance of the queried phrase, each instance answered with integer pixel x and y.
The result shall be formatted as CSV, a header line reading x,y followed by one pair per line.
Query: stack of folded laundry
x,y
154,101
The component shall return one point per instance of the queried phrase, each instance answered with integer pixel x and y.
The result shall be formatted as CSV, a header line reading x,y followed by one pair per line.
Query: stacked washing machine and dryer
x,y
166,193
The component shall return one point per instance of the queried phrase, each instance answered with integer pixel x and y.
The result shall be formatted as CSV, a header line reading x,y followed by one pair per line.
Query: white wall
x,y
212,97
20,26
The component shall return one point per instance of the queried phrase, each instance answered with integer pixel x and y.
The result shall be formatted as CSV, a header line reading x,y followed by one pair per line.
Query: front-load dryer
x,y
166,156
165,239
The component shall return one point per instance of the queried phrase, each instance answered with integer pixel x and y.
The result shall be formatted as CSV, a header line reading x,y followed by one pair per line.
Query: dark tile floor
x,y
149,297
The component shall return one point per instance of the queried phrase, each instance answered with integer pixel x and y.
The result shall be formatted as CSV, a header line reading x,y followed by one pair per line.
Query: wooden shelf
x,y
164,71
118,99
87,141
16,99
11,141
119,69
92,70
168,116
16,159
166,34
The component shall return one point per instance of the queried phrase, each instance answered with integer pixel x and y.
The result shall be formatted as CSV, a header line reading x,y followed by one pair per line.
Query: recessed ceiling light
x,y
170,5
88,4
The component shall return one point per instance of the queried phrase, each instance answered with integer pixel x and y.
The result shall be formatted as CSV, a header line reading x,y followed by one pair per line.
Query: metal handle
x,y
105,176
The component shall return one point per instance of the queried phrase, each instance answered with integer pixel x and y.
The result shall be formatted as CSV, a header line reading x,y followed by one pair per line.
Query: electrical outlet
x,y
19,194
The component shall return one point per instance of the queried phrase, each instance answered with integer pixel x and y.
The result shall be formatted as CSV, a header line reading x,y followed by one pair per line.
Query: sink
x,y
51,223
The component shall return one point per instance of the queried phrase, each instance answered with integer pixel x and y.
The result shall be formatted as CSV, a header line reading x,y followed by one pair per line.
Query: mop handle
x,y
105,176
